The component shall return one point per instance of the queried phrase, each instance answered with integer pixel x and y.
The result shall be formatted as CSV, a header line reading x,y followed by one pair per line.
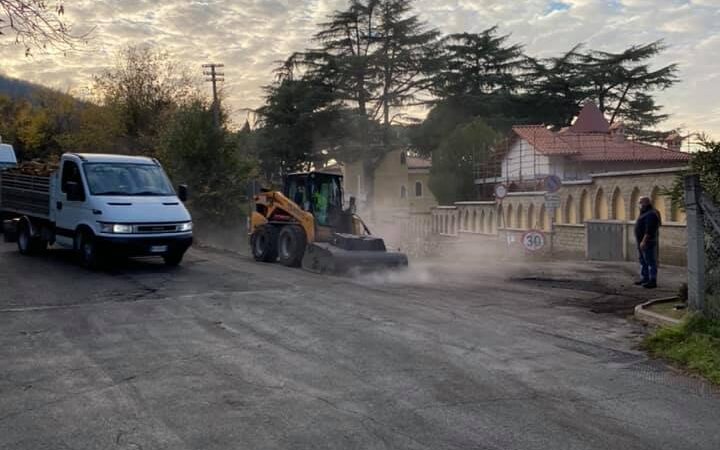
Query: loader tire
x,y
291,245
263,243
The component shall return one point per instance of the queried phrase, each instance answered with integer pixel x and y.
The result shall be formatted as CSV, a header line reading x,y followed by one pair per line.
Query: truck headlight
x,y
186,226
116,228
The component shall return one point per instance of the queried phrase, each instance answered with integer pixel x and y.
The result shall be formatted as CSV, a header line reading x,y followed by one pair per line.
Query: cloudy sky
x,y
249,36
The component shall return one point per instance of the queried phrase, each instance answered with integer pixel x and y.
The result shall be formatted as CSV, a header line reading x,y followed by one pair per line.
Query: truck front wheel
x,y
87,250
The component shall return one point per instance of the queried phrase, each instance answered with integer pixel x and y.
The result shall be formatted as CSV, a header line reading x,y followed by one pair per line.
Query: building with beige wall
x,y
396,182
602,199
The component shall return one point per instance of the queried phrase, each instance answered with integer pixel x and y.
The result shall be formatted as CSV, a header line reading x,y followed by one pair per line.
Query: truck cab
x,y
7,156
101,206
123,204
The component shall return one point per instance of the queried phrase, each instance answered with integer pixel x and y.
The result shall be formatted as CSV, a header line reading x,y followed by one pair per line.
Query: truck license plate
x,y
158,249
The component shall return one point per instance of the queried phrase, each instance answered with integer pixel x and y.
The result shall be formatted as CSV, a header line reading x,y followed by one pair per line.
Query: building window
x,y
403,158
418,189
403,192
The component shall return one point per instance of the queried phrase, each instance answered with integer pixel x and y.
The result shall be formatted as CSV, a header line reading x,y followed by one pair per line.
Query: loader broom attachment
x,y
348,254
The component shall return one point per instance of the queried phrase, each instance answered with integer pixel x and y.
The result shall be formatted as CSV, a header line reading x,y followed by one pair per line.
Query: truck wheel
x,y
263,243
88,251
27,243
24,239
173,259
291,245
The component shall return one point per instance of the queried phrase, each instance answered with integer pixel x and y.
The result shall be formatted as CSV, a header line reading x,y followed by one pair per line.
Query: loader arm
x,y
274,208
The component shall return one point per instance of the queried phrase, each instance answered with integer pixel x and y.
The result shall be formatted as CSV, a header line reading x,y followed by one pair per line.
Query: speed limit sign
x,y
533,240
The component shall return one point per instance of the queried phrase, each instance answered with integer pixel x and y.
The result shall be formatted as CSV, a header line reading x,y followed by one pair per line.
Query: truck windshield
x,y
127,179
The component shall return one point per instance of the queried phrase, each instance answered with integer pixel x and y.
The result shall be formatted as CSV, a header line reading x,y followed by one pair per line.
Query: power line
x,y
213,76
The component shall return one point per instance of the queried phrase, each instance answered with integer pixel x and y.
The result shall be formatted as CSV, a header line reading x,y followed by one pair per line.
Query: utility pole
x,y
213,76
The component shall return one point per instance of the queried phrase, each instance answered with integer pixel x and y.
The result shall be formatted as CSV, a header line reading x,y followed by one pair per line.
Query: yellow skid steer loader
x,y
306,225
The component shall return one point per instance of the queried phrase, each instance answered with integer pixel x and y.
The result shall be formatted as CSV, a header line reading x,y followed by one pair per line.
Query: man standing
x,y
647,227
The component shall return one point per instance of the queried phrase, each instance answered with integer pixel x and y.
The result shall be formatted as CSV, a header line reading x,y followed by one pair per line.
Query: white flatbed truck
x,y
100,206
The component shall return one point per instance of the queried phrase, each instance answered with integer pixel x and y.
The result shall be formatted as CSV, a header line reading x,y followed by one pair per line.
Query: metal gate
x,y
604,241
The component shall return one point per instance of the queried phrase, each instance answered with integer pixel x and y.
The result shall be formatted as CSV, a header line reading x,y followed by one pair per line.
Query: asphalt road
x,y
225,353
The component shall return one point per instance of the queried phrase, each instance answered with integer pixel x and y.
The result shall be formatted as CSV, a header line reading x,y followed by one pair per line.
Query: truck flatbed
x,y
25,194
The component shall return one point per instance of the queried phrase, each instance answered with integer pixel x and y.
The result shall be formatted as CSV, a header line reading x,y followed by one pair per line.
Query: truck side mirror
x,y
75,192
183,192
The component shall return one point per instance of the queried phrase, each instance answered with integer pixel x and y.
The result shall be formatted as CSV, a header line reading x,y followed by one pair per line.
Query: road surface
x,y
226,353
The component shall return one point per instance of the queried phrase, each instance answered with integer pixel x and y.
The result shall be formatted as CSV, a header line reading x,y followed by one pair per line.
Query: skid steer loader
x,y
306,225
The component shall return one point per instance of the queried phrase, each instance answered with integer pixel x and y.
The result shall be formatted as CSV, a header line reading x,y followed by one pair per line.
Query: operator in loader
x,y
320,202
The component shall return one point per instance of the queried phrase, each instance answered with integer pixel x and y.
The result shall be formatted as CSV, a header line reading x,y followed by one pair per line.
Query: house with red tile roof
x,y
590,146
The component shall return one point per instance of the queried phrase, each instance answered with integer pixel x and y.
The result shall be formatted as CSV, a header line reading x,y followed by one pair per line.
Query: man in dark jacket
x,y
647,227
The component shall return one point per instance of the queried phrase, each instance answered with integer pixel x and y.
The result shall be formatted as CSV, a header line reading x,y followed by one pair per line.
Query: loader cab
x,y
318,193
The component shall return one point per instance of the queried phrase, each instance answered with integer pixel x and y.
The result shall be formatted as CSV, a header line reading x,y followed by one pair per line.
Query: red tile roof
x,y
590,139
418,163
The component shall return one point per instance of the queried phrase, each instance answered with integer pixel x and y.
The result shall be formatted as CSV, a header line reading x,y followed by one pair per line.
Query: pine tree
x,y
479,63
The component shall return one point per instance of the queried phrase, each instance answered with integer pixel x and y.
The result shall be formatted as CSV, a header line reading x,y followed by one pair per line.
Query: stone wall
x,y
603,197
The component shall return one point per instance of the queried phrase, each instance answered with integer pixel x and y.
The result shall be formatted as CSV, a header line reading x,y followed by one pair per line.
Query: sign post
x,y
552,184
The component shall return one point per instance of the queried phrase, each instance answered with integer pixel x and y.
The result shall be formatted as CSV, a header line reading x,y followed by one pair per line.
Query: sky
x,y
251,36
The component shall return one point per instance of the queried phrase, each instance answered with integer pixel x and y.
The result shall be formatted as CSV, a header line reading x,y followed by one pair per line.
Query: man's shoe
x,y
641,282
650,285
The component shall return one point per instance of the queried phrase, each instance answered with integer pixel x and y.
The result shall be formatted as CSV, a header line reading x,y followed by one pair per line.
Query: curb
x,y
654,318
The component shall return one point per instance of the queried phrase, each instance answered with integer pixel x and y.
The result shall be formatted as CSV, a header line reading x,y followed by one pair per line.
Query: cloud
x,y
250,36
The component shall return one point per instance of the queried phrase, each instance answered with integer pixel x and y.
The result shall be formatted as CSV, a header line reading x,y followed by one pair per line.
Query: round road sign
x,y
552,183
500,191
533,240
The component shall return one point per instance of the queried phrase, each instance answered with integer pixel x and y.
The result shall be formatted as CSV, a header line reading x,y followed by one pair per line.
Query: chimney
x,y
674,141
617,131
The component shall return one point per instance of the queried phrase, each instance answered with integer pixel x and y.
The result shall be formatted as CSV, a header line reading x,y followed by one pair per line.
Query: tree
x,y
296,116
210,160
142,87
455,160
621,83
706,164
479,63
37,24
407,57
346,56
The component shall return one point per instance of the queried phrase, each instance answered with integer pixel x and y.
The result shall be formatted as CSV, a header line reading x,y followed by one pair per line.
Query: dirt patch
x,y
609,300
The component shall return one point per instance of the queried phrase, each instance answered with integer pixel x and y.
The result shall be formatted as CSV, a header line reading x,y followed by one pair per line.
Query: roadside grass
x,y
693,344
668,309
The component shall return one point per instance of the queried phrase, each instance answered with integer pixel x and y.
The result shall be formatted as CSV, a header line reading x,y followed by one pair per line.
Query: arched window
x,y
618,205
481,225
542,218
466,223
491,223
452,224
509,217
601,207
520,217
570,212
658,201
677,214
634,199
500,218
475,221
418,189
403,192
530,217
585,207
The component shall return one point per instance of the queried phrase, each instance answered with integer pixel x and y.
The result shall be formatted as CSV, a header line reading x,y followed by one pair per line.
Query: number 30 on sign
x,y
533,240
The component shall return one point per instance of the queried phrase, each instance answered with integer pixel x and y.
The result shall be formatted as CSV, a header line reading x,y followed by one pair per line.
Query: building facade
x,y
590,146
